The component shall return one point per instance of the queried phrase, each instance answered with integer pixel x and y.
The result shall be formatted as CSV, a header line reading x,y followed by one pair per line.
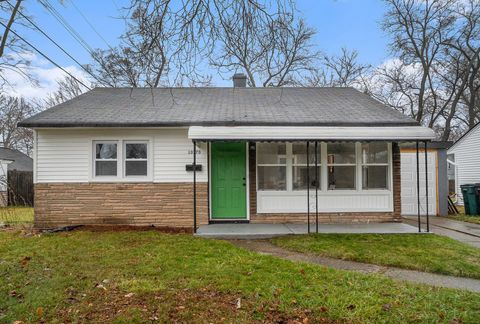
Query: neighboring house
x,y
11,160
125,156
464,157
437,178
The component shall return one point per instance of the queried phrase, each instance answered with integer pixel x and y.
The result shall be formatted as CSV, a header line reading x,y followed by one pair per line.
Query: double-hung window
x,y
272,166
121,160
136,159
341,163
299,166
106,162
374,165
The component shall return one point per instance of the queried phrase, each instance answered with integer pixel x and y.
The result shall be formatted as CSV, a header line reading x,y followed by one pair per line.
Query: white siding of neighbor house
x,y
467,160
66,155
3,175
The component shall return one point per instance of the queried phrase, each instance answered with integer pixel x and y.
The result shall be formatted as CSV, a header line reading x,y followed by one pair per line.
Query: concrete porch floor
x,y
251,231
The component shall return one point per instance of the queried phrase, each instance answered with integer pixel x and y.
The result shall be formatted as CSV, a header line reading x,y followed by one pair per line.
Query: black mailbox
x,y
190,167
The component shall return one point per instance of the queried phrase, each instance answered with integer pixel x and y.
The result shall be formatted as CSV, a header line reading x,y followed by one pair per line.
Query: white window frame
x,y
356,187
94,166
124,161
387,164
121,145
286,157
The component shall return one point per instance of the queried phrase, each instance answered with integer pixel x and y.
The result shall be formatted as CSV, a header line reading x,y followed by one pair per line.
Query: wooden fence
x,y
20,188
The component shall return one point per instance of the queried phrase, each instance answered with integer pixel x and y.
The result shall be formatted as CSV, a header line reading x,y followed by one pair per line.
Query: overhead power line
x,y
45,56
59,46
48,6
89,23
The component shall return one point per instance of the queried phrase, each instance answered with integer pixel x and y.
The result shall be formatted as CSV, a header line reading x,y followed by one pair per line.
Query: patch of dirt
x,y
187,305
123,228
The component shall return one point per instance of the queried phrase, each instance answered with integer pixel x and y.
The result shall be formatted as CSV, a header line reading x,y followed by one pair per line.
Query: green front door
x,y
229,196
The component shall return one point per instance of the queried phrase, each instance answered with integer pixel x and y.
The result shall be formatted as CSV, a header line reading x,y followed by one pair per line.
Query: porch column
x,y
308,187
194,187
418,191
426,185
316,186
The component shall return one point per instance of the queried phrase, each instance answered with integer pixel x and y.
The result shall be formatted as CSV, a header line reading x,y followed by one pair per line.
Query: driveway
x,y
461,231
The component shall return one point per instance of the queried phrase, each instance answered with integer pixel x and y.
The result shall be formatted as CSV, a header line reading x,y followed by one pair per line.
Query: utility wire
x,y
77,36
96,31
89,23
59,46
66,25
45,56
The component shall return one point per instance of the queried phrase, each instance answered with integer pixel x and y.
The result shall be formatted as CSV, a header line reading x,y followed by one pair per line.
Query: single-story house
x,y
464,160
184,157
11,160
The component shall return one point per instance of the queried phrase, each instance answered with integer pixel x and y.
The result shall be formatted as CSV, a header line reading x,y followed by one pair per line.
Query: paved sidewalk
x,y
461,231
265,247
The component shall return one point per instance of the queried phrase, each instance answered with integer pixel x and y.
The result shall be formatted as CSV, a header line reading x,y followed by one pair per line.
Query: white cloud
x,y
45,73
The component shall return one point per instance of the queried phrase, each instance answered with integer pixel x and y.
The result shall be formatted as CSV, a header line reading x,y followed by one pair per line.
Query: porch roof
x,y
273,133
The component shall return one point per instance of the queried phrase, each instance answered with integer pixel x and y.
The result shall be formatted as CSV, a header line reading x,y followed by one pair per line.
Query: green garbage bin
x,y
469,199
477,194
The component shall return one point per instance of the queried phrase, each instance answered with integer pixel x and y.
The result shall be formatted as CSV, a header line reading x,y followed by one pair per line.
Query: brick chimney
x,y
239,80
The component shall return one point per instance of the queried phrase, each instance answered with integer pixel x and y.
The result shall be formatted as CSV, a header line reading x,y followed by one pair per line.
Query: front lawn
x,y
148,276
16,215
424,252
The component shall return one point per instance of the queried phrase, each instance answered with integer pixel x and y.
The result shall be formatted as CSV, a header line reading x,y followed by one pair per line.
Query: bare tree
x,y
12,111
166,43
275,53
12,50
342,70
68,88
419,28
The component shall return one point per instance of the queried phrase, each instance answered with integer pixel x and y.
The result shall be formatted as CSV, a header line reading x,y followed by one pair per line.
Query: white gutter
x,y
290,133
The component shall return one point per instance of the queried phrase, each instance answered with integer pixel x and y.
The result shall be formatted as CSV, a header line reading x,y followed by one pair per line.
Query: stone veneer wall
x,y
138,204
301,218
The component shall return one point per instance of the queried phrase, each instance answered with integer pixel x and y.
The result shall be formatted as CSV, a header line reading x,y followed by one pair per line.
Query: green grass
x,y
466,218
429,252
475,219
56,278
16,215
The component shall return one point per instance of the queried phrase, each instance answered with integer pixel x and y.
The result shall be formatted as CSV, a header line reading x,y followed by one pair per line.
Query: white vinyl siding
x,y
467,160
66,155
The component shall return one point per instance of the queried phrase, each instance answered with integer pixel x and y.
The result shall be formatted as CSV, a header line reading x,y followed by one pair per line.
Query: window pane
x,y
136,151
106,151
105,168
300,177
374,152
136,168
271,153
299,151
375,177
272,178
341,177
341,153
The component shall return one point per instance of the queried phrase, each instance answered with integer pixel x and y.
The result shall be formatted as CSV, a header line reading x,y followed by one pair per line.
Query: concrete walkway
x,y
265,247
461,231
256,231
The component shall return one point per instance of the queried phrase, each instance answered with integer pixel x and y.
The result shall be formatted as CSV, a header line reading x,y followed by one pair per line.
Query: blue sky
x,y
340,23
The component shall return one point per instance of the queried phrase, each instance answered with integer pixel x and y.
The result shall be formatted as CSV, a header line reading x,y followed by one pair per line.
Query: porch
x,y
256,231
273,176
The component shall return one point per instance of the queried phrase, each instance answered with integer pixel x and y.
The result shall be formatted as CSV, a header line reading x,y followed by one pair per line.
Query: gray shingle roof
x,y
21,162
141,107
